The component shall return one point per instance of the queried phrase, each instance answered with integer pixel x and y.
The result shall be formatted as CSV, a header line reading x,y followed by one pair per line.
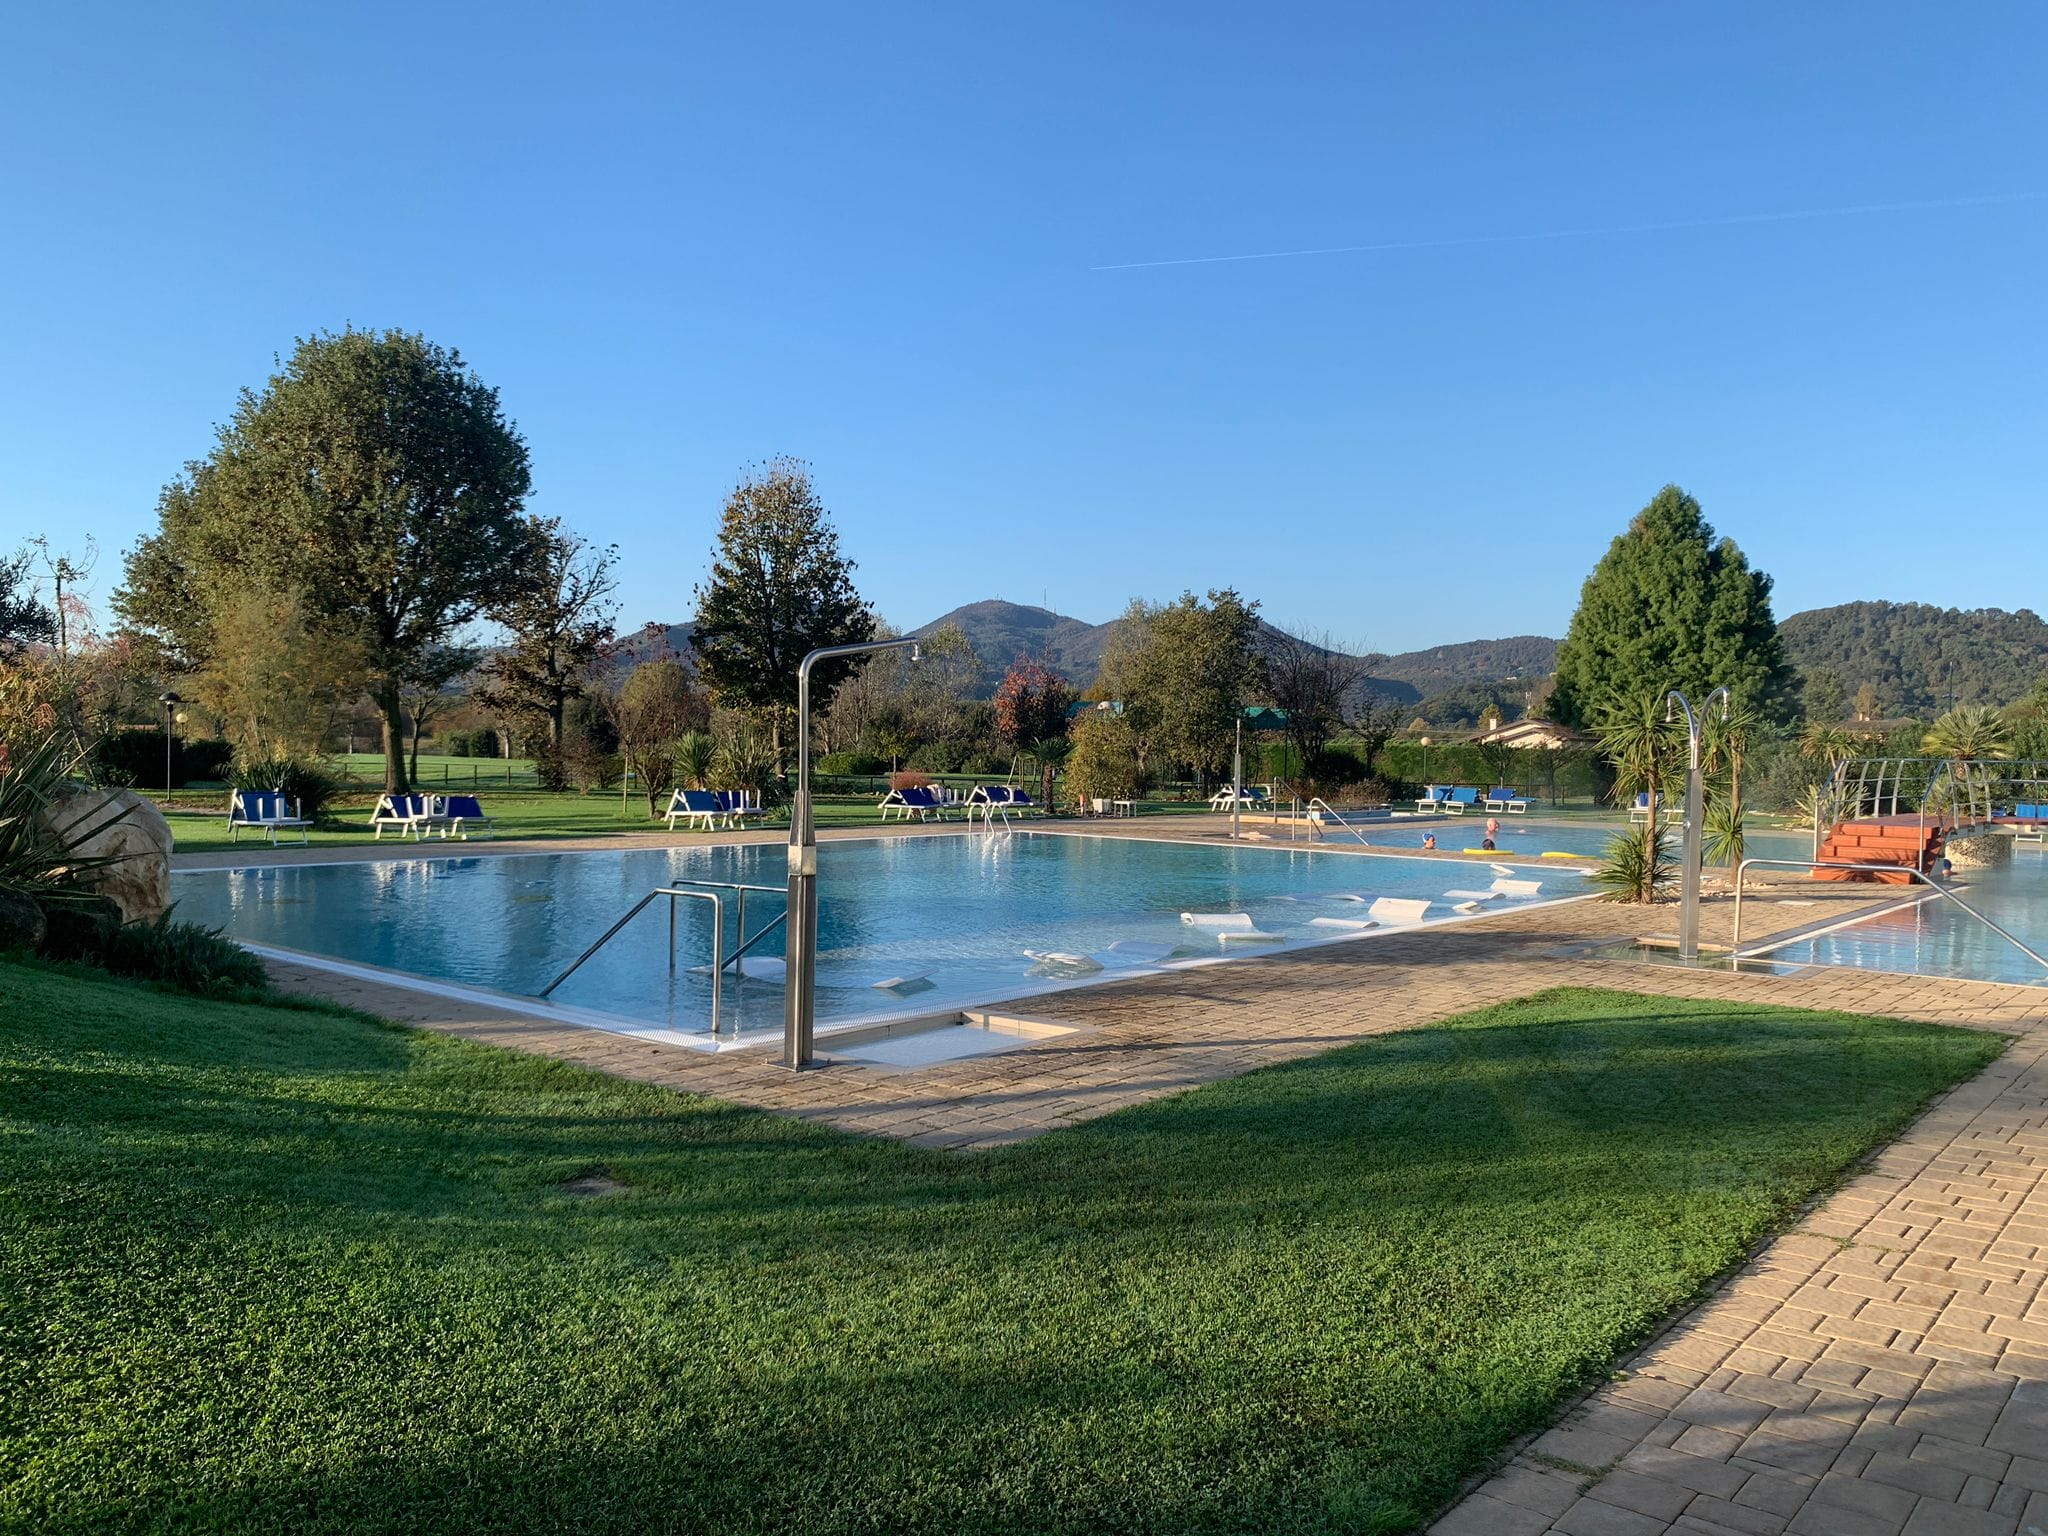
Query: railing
x,y
1735,938
1329,813
1942,792
694,890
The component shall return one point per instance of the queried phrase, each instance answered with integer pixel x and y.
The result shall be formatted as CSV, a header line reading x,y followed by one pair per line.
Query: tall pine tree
x,y
779,588
1671,606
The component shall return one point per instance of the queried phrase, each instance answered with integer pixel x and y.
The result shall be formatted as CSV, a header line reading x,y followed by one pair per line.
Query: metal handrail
x,y
1333,814
1735,938
695,890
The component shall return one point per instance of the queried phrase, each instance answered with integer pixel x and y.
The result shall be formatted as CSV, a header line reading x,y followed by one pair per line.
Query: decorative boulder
x,y
120,826
1979,848
21,923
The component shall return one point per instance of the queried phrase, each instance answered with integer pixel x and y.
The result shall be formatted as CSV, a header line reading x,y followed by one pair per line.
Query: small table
x,y
1123,807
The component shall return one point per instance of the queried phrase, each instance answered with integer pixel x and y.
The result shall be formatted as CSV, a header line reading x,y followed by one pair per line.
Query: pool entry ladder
x,y
713,891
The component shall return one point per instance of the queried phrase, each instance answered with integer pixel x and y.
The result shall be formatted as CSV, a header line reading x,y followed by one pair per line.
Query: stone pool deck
x,y
1881,1368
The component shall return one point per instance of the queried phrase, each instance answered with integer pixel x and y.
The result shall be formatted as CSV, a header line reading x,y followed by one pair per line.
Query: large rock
x,y
138,844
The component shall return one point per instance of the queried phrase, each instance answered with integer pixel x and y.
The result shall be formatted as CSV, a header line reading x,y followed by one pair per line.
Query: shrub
x,y
986,765
311,786
938,757
137,757
186,957
1637,866
694,756
852,764
36,866
589,767
909,778
550,765
1104,762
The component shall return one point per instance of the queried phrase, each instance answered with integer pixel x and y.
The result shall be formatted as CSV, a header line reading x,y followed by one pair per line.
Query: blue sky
x,y
683,240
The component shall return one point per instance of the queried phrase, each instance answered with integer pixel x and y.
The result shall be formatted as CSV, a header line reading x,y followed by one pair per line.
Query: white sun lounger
x,y
1350,924
1229,927
1467,898
1518,887
1062,960
1398,909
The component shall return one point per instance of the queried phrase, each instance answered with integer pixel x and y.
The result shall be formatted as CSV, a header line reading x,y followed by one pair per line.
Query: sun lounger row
x,y
1456,800
419,815
926,801
710,809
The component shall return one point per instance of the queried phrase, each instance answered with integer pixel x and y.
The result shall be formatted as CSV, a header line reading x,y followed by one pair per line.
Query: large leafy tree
x,y
1031,704
559,623
377,480
1671,606
1187,682
779,588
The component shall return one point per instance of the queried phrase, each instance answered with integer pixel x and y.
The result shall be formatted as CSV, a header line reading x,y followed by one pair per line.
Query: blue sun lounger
x,y
264,810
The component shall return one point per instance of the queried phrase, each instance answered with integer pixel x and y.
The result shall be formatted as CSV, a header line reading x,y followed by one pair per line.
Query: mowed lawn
x,y
273,1269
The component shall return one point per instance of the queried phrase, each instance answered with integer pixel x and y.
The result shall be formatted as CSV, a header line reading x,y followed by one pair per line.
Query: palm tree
x,y
1637,739
1968,733
1724,742
1049,752
1965,735
694,754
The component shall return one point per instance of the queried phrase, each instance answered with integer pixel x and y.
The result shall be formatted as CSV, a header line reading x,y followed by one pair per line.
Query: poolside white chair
x,y
264,811
1509,801
1433,798
1229,927
1461,800
741,806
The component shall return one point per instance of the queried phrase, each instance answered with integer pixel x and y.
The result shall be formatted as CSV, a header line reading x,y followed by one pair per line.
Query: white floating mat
x,y
1350,924
1468,899
1518,887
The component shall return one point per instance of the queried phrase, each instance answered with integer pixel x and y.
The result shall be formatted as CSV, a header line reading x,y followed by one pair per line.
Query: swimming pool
x,y
1933,937
963,909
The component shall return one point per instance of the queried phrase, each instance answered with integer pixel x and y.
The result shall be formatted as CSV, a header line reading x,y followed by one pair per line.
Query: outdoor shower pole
x,y
800,968
1237,778
1695,815
170,702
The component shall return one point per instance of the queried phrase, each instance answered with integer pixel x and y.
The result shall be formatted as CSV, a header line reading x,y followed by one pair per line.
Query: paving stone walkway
x,y
1883,1369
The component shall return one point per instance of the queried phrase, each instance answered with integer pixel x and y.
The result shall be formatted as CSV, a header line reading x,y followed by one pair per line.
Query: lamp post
x,y
800,968
170,702
1425,762
1695,815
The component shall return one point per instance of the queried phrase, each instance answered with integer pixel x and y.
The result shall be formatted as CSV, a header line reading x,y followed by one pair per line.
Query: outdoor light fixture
x,y
1695,814
800,967
170,702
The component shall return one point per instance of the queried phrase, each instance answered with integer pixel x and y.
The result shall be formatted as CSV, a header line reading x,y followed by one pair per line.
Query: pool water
x,y
1532,837
963,909
1934,937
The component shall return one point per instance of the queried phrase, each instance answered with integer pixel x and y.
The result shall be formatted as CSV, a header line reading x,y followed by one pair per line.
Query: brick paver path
x,y
1881,1369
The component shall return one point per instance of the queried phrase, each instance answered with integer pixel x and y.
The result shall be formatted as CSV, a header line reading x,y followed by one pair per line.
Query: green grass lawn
x,y
273,1269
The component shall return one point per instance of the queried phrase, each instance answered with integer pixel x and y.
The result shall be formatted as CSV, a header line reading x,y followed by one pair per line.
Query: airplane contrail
x,y
1577,234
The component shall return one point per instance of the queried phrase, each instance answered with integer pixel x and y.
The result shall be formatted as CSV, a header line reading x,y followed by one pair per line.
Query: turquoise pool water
x,y
1936,938
964,909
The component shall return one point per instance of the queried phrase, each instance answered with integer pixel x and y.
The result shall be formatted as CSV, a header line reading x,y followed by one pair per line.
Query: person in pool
x,y
1492,831
1429,842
